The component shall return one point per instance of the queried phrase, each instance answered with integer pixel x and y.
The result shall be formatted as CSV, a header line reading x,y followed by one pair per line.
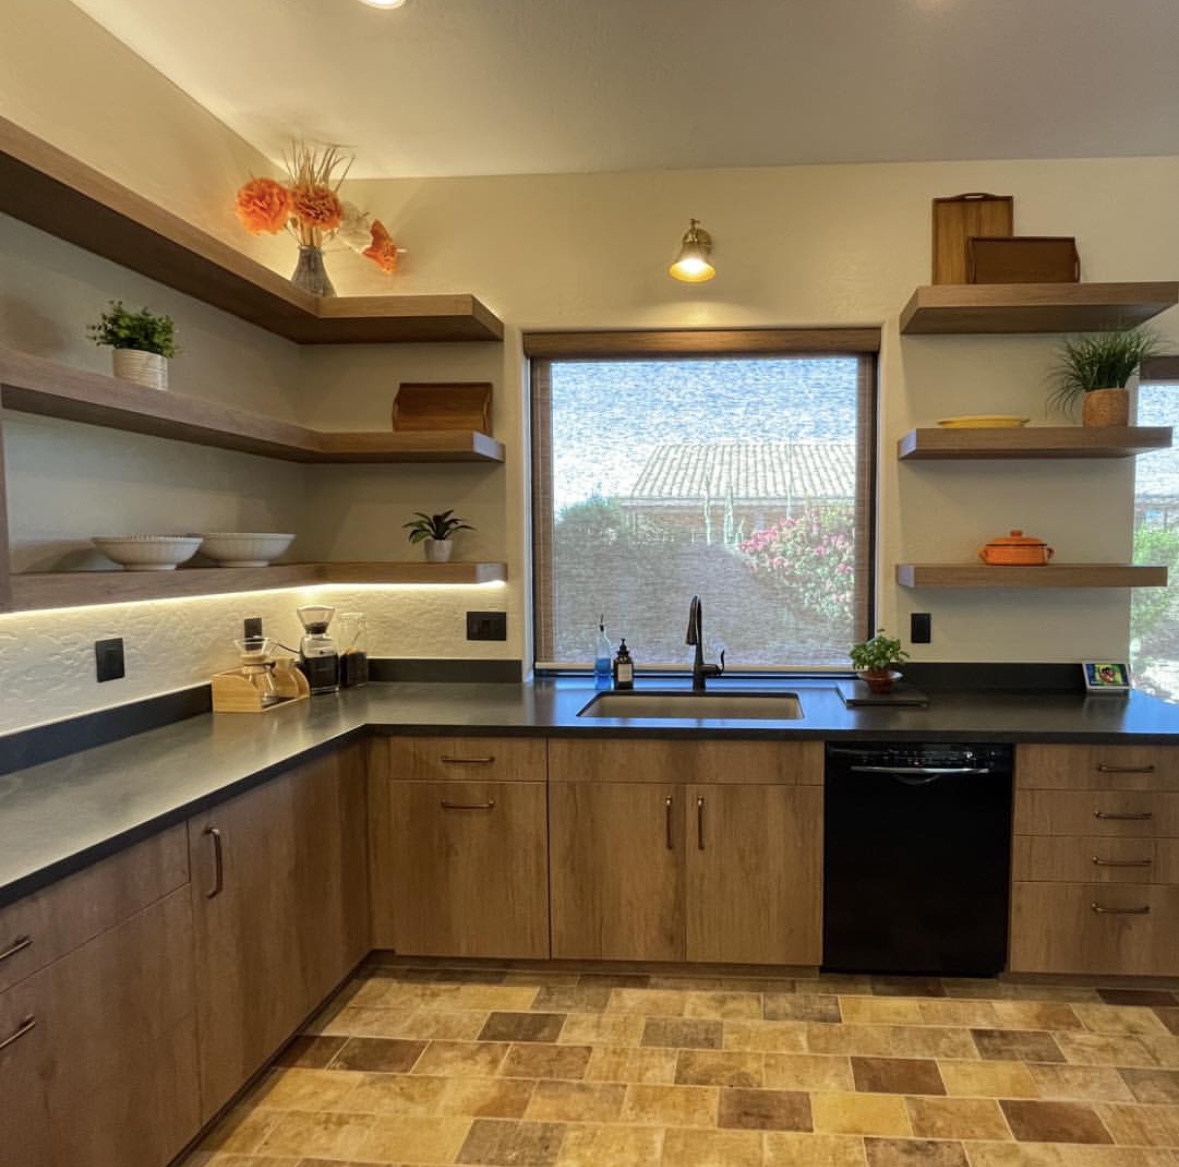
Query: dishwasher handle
x,y
920,771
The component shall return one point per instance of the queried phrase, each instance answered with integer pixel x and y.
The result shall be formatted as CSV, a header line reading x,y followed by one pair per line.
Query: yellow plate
x,y
979,421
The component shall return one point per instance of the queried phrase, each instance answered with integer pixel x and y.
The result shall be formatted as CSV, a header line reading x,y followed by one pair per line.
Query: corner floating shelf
x,y
944,444
45,187
72,589
948,309
1054,575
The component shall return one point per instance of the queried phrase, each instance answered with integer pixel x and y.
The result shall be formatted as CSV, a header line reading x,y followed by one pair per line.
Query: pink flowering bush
x,y
811,557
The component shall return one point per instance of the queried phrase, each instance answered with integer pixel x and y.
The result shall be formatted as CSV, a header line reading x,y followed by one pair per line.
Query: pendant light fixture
x,y
383,3
692,265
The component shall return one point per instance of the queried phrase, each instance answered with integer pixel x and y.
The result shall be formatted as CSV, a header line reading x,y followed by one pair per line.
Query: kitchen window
x,y
736,465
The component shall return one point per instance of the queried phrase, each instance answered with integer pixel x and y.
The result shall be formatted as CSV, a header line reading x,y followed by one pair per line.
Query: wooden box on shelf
x,y
233,692
462,405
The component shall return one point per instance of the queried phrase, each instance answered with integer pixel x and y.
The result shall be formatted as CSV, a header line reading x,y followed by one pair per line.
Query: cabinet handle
x,y
667,812
700,822
218,864
1106,768
1135,816
26,1026
449,761
18,945
468,805
1122,862
1143,911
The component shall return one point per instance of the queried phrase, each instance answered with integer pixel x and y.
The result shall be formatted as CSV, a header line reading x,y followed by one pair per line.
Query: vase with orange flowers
x,y
308,206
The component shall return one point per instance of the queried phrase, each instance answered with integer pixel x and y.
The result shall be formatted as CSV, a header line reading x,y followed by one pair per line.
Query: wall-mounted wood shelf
x,y
945,309
44,186
72,589
1054,575
943,444
34,385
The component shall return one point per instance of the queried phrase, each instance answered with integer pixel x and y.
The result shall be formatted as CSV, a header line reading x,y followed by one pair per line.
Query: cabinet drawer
x,y
46,925
1094,859
1116,929
461,759
706,762
1096,768
1124,814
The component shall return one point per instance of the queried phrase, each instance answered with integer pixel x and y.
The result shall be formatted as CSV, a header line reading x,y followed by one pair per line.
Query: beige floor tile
x,y
1121,1020
242,1130
957,1118
245,1161
513,1144
1164,1050
683,1033
487,1097
386,1094
690,983
719,1068
930,1041
1149,1085
985,1079
1098,1049
809,1007
860,1114
915,1153
624,1064
427,1025
767,1036
671,1106
611,1146
462,1058
1062,1155
728,1006
808,1072
576,1102
881,1010
415,1139
306,1089
1141,1126
546,1061
493,998
1047,992
541,978
865,1040
358,1021
330,1136
964,1014
1051,1015
687,1148
602,1029
791,1149
1092,1083
408,995
647,1002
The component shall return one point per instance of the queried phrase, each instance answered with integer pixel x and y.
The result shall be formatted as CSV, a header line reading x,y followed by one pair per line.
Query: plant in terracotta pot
x,y
435,531
1095,368
874,660
143,344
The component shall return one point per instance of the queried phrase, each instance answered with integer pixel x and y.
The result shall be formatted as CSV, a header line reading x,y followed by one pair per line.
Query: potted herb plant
x,y
435,531
1095,368
874,660
143,343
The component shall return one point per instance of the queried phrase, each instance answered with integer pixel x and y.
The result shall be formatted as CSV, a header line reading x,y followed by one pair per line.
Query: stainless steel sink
x,y
709,706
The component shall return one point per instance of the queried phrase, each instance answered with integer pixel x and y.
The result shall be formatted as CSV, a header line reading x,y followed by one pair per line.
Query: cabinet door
x,y
461,869
754,887
617,870
104,1070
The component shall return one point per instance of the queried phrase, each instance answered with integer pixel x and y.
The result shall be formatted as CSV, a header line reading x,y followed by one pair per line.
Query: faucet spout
x,y
695,636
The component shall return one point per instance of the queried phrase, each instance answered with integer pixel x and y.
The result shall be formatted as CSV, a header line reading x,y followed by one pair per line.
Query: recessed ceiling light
x,y
383,3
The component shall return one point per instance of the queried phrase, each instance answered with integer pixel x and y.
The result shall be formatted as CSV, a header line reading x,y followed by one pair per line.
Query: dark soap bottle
x,y
624,668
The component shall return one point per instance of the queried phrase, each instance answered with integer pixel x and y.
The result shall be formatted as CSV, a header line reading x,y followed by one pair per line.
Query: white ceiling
x,y
472,87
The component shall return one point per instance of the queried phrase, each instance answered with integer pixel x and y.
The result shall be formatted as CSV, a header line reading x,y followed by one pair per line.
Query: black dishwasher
x,y
917,853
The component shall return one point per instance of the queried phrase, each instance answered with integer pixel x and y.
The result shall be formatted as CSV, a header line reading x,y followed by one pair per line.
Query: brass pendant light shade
x,y
692,265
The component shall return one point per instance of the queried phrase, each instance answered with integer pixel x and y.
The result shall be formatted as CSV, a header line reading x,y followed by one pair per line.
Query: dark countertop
x,y
59,816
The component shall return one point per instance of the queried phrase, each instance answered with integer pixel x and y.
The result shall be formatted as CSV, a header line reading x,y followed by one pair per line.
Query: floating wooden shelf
x,y
34,385
72,589
1054,575
942,444
46,187
990,308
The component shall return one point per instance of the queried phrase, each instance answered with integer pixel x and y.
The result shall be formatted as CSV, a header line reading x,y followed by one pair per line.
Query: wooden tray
x,y
958,219
460,405
233,693
1023,259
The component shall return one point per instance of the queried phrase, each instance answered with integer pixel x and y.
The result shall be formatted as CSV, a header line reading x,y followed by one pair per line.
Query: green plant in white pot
x,y
1095,368
874,659
143,344
435,531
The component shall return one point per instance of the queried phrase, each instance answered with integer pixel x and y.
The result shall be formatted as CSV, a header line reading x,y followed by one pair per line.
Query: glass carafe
x,y
354,652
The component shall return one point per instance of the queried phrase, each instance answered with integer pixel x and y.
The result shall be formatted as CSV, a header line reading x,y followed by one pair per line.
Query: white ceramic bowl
x,y
148,552
244,548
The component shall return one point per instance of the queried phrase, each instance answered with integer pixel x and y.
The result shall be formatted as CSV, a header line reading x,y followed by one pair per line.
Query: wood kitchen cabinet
x,y
459,847
720,861
280,909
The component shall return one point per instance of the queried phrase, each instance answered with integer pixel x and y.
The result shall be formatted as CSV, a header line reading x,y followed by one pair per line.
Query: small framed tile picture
x,y
1106,676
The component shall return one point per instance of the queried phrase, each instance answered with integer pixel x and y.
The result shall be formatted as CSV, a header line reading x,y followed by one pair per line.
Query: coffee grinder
x,y
318,656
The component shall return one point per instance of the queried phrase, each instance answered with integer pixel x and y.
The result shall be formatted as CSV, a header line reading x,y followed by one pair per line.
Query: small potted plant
x,y
142,342
874,659
435,531
1095,368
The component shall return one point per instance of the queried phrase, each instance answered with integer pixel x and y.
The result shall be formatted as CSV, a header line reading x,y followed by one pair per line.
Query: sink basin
x,y
680,706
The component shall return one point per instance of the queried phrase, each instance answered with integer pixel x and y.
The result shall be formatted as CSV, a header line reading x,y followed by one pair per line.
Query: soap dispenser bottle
x,y
602,655
624,668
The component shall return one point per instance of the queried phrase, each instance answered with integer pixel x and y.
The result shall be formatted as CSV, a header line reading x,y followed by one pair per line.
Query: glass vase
x,y
310,274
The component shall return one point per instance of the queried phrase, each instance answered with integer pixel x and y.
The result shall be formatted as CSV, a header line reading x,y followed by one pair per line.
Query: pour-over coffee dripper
x,y
258,667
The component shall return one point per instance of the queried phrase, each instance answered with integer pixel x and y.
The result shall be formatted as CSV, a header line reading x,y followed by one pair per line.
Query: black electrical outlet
x,y
487,625
252,627
920,631
108,659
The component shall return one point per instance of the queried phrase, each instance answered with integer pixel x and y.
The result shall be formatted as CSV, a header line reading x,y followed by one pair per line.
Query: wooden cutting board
x,y
959,218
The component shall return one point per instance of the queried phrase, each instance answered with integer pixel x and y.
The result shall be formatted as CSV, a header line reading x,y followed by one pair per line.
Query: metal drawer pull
x,y
18,945
448,760
1143,911
218,864
468,805
1106,768
1122,862
667,809
700,822
1137,816
26,1026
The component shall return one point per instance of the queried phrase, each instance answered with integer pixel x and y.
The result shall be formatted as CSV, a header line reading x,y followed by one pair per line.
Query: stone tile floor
x,y
414,1066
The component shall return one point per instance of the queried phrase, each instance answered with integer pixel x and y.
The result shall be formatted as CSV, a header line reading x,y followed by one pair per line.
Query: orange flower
x,y
382,251
263,205
317,206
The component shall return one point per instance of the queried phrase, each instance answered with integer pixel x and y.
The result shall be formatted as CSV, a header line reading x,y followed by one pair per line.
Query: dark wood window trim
x,y
702,342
